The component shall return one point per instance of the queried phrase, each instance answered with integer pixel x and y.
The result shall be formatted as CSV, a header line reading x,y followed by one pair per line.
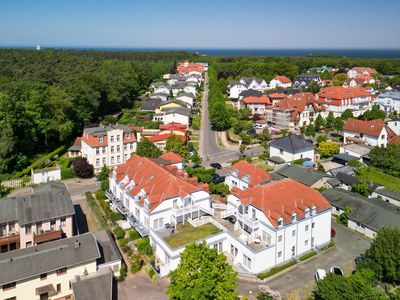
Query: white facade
x,y
46,175
235,90
186,99
288,157
370,140
171,117
394,125
389,101
274,83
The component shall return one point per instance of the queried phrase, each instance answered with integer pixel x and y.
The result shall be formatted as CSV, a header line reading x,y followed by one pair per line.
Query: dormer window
x,y
100,140
307,213
280,221
313,210
294,217
128,135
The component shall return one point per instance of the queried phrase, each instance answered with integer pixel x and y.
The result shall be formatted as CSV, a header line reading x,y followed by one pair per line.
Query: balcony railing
x,y
135,223
46,236
248,221
10,238
119,205
192,208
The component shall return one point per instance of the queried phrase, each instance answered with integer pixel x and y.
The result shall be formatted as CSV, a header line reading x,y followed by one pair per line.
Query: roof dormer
x,y
280,221
294,217
306,212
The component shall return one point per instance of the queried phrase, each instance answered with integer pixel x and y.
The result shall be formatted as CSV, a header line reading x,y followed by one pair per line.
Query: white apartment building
x,y
46,174
372,133
42,216
280,81
389,101
108,145
243,175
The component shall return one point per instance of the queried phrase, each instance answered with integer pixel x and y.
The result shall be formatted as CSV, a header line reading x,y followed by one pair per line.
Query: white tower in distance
x,y
37,47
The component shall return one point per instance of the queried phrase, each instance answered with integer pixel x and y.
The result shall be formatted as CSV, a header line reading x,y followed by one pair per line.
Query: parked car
x,y
216,166
214,176
219,179
333,232
319,275
196,166
337,271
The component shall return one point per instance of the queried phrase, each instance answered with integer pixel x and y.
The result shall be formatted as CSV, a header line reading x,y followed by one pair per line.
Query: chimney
x,y
77,244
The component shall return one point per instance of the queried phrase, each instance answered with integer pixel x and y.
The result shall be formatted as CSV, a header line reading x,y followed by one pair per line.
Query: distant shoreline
x,y
354,53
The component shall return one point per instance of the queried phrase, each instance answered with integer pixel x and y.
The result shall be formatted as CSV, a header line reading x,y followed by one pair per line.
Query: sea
x,y
357,53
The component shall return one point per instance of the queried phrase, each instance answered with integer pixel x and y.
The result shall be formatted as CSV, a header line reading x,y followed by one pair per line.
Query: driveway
x,y
349,244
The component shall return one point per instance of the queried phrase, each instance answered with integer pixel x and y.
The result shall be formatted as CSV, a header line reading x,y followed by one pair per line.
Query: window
x,y
11,228
279,254
28,229
61,271
313,225
28,244
280,238
306,228
104,161
97,151
307,213
293,251
280,151
234,251
52,224
97,161
62,221
39,228
43,276
125,147
112,159
2,229
125,156
246,261
158,223
9,286
132,146
306,243
312,242
58,288
118,138
100,140
118,158
382,136
313,210
112,139
112,149
280,222
128,135
294,217
118,148
293,233
104,150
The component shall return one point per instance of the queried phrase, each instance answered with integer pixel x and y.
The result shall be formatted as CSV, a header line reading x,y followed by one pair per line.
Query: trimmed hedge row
x,y
308,255
275,270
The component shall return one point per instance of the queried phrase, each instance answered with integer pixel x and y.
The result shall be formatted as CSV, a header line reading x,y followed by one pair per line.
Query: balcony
x,y
119,205
135,223
47,236
9,239
180,211
253,224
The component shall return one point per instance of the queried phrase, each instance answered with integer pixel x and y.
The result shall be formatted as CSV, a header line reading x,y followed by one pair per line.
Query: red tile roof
x,y
336,94
173,126
164,136
372,128
187,67
78,141
172,157
257,100
361,70
159,183
255,174
283,79
277,96
395,140
282,198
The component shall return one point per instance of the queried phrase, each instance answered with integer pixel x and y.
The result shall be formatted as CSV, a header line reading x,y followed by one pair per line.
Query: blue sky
x,y
201,23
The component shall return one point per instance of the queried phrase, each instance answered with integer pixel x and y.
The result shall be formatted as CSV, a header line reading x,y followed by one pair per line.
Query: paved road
x,y
349,244
209,149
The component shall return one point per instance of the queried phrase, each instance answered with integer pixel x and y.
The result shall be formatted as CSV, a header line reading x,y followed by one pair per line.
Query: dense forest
x,y
46,97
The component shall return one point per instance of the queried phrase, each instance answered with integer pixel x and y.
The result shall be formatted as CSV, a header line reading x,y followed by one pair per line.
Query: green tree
x,y
310,130
327,149
103,175
313,87
330,120
354,163
339,79
321,138
338,124
265,135
146,148
195,157
386,159
202,274
319,122
242,148
176,145
347,114
245,113
374,113
361,188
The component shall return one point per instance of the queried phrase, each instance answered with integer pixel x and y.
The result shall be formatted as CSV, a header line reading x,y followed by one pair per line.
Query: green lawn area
x,y
375,175
185,234
233,136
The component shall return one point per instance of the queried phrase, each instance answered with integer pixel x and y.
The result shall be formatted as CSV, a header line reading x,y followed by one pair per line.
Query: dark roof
x,y
388,193
344,157
372,213
190,95
288,91
302,174
158,95
102,130
47,257
48,200
108,250
250,92
344,169
275,176
334,182
276,159
97,286
150,104
176,110
292,144
347,179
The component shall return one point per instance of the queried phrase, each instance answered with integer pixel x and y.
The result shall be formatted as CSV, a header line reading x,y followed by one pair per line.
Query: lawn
x,y
185,234
375,175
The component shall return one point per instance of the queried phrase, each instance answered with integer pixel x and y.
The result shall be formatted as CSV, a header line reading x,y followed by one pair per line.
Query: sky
x,y
189,24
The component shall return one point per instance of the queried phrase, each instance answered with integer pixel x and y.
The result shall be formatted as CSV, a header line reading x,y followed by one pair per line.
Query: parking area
x,y
349,244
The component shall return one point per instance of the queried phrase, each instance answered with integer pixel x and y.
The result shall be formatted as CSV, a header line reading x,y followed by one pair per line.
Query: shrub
x,y
123,242
136,263
330,245
101,195
119,233
153,276
122,272
133,235
308,255
105,185
275,270
263,156
144,247
82,168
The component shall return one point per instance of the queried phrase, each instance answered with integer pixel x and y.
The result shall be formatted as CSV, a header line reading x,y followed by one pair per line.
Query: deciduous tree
x,y
82,168
328,149
146,148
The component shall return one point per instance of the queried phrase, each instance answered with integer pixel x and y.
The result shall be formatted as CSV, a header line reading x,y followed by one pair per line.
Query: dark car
x,y
196,166
214,176
216,166
219,179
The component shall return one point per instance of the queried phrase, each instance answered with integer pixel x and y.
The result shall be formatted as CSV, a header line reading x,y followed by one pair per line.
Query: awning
x,y
49,288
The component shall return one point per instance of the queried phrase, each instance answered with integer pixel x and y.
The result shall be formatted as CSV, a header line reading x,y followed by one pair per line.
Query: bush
x,y
275,270
105,185
299,161
196,122
133,235
123,242
330,245
308,255
144,247
82,168
101,195
263,156
119,233
136,263
153,276
115,216
122,272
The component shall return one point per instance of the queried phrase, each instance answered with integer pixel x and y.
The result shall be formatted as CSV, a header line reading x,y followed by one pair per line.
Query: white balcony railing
x,y
248,221
192,208
228,213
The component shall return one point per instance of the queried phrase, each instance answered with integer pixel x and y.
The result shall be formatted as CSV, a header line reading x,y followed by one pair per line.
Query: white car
x,y
319,275
337,271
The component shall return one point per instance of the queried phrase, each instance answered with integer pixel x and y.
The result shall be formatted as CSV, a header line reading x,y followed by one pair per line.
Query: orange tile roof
x,y
255,174
258,100
277,96
172,157
373,127
162,137
395,140
187,67
173,126
338,93
159,183
361,70
283,79
282,198
78,141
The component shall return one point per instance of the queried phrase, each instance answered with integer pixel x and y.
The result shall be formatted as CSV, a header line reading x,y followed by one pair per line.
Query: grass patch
x,y
185,234
196,122
232,136
377,176
330,245
96,211
308,255
276,270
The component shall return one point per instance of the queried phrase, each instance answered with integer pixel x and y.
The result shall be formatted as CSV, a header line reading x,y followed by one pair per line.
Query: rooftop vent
x,y
77,244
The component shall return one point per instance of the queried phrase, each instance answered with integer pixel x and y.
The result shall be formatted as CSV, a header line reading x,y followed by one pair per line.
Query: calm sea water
x,y
360,53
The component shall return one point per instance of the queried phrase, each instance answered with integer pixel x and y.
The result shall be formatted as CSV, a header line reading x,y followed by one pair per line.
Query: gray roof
x,y
347,179
49,200
250,92
344,169
388,193
372,213
334,182
235,82
292,144
158,95
102,130
74,148
97,286
276,159
108,250
357,148
150,104
47,257
344,157
275,176
394,95
190,95
302,174
176,110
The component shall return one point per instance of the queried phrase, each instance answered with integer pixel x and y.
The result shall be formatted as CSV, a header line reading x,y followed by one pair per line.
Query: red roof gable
x,y
283,79
361,70
173,126
283,198
162,137
172,157
373,127
257,100
255,174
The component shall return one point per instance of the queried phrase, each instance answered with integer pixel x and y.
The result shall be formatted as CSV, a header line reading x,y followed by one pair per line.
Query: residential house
x,y
46,174
394,125
276,97
235,88
367,216
305,175
250,93
244,175
257,105
159,137
337,99
359,150
188,98
366,71
190,68
389,101
109,145
75,149
150,105
173,115
183,89
48,271
298,110
160,87
44,215
102,284
386,195
160,140
172,159
280,81
372,133
291,147
160,96
327,82
304,80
